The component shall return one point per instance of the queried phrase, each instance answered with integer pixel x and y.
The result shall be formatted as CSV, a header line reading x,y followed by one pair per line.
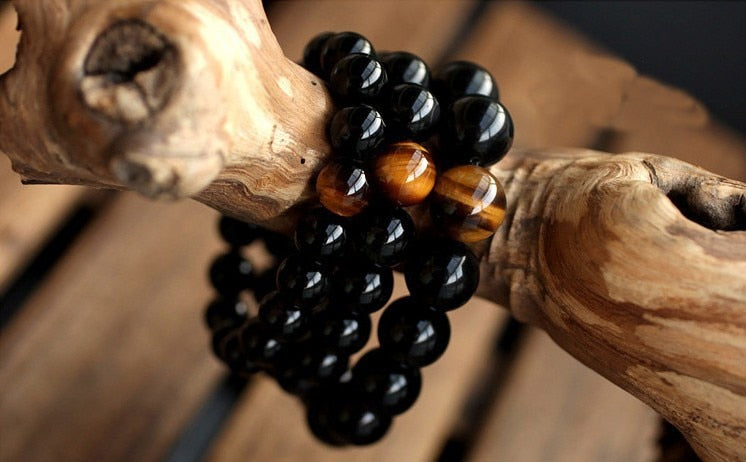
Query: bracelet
x,y
400,139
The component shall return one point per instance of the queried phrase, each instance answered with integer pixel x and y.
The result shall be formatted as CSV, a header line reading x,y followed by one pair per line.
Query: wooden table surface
x,y
103,351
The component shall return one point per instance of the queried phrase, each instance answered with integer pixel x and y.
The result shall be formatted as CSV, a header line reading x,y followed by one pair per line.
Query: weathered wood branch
x,y
635,264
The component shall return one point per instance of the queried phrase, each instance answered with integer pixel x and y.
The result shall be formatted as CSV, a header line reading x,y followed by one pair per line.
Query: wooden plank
x,y
110,357
269,425
563,91
554,408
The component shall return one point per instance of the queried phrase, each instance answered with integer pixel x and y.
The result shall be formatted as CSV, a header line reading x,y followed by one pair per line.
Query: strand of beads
x,y
394,125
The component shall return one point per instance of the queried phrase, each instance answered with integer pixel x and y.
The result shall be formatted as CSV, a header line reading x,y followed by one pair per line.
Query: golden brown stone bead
x,y
343,189
468,203
405,173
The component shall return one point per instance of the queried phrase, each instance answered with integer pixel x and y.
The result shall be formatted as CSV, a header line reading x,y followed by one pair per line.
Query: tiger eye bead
x,y
405,173
468,203
343,189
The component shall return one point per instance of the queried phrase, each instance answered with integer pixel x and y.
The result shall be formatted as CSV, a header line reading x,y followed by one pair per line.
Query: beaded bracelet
x,y
393,128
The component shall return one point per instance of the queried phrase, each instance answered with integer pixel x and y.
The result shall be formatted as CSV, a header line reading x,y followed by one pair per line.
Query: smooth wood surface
x,y
554,408
110,357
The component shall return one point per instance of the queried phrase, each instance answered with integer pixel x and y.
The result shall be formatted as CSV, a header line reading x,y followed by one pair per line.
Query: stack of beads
x,y
396,128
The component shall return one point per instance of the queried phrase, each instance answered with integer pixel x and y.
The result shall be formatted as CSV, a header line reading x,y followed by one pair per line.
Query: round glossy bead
x,y
357,78
364,288
479,131
226,312
321,235
468,203
312,52
443,275
231,273
265,283
413,334
340,45
405,173
319,419
286,321
356,132
463,78
236,232
260,346
278,245
403,67
384,235
388,383
343,189
302,281
342,330
308,366
413,112
358,422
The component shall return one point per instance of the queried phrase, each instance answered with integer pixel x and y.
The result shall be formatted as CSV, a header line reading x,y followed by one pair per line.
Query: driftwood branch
x,y
635,264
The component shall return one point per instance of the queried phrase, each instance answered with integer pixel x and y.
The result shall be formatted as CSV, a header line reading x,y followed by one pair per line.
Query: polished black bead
x,y
284,320
319,418
340,45
261,347
384,235
412,333
358,422
341,329
308,366
312,52
479,130
463,78
363,288
265,283
442,274
226,344
403,67
356,131
357,79
226,312
236,232
321,235
231,273
413,112
302,280
278,245
391,385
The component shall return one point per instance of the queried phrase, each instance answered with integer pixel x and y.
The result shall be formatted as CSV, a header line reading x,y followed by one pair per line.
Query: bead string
x,y
393,127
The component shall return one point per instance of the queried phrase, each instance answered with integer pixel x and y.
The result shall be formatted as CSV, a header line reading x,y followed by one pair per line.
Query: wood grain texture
x,y
554,408
110,357
269,425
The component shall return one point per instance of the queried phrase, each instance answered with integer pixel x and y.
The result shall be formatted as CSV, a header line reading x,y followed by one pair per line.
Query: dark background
x,y
696,46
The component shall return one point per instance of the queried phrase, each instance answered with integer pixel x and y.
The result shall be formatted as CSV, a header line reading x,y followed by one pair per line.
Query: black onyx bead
x,y
384,235
284,320
226,344
479,131
358,422
442,274
340,45
302,281
463,78
341,329
312,52
260,347
363,288
403,67
225,312
236,232
321,235
278,245
309,366
265,283
319,418
357,79
413,112
356,131
413,334
391,385
231,273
